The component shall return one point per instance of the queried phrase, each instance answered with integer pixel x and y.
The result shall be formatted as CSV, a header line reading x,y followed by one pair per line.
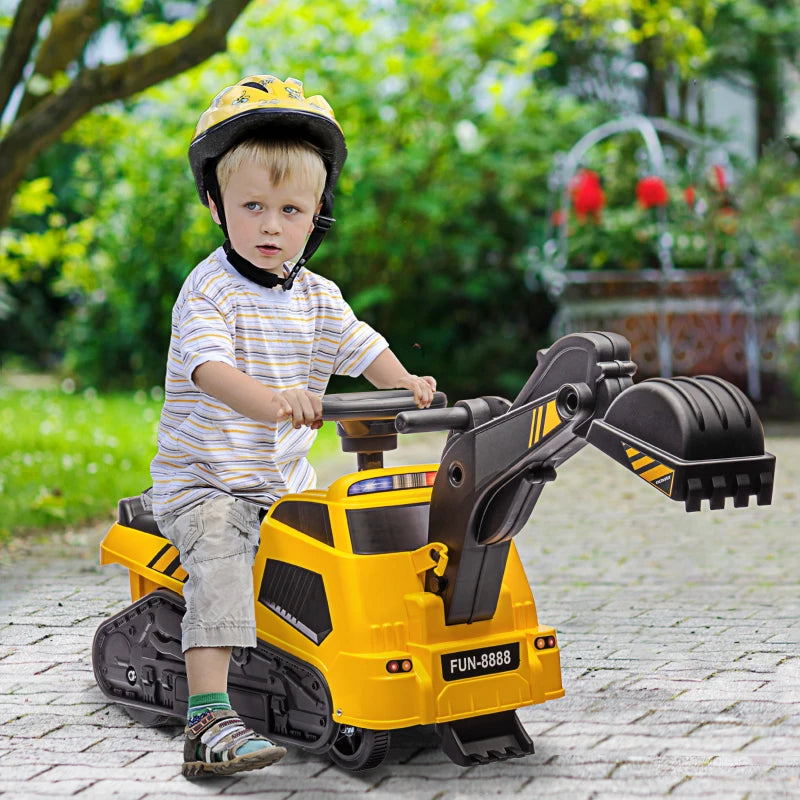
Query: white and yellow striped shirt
x,y
285,340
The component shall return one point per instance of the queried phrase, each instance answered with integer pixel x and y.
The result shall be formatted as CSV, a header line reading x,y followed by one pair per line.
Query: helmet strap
x,y
248,270
322,224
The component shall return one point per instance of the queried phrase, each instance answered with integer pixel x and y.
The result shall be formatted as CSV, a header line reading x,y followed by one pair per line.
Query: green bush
x,y
450,142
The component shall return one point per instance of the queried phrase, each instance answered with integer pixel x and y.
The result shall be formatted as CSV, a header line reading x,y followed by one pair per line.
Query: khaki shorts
x,y
217,541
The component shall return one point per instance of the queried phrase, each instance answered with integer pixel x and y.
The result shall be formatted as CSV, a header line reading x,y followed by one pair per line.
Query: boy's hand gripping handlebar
x,y
365,420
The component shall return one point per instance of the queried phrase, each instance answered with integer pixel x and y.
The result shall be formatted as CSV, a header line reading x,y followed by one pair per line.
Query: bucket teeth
x,y
764,497
740,486
694,494
742,496
718,486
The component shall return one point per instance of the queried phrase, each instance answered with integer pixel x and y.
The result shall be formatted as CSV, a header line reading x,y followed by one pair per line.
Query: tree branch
x,y
45,123
19,44
70,29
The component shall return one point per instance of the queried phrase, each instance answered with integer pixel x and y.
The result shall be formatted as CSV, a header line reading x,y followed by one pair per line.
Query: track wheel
x,y
359,748
150,718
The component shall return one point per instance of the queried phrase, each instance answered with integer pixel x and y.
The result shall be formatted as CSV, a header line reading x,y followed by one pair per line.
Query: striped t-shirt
x,y
285,340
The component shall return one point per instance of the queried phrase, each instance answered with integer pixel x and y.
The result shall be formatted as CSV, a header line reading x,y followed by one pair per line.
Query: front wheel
x,y
359,748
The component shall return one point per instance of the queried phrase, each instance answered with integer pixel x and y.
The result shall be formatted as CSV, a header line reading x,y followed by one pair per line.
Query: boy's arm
x,y
254,400
386,372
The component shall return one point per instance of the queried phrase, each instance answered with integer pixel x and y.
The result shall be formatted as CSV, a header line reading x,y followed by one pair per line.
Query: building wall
x,y
733,109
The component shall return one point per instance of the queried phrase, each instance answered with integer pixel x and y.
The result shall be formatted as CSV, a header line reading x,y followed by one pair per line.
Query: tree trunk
x,y
655,94
766,71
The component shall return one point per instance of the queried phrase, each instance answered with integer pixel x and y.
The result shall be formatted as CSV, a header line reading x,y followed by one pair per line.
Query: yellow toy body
x,y
380,613
396,597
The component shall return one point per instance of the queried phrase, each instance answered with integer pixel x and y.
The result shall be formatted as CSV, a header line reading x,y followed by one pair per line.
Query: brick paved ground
x,y
680,638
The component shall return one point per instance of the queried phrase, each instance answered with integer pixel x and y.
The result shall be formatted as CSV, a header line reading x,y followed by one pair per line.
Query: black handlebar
x,y
427,420
385,404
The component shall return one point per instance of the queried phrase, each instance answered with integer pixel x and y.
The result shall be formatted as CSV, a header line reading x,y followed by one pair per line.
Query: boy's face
x,y
267,224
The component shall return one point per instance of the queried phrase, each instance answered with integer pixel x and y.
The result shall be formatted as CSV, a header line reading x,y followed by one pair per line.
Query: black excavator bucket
x,y
481,740
693,439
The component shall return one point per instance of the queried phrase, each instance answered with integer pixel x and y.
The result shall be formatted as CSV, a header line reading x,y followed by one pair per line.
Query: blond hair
x,y
280,159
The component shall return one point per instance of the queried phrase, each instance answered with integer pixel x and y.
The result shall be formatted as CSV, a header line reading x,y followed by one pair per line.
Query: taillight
x,y
397,665
544,642
388,483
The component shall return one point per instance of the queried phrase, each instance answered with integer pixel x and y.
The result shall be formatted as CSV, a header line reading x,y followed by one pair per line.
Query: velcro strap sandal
x,y
213,742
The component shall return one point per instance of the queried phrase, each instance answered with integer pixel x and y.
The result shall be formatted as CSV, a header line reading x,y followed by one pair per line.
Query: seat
x,y
132,514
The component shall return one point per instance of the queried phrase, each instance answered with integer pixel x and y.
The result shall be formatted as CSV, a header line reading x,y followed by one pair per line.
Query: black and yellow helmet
x,y
262,105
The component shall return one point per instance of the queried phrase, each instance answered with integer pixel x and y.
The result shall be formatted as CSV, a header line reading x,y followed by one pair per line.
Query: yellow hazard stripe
x,y
631,453
534,425
165,560
551,418
641,462
655,473
544,420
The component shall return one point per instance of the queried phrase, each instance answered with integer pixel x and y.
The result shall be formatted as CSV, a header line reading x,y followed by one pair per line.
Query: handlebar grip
x,y
381,404
429,420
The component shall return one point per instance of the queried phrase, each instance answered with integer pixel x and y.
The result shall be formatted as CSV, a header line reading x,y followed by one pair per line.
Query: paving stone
x,y
733,786
133,789
41,787
88,758
612,795
682,673
77,770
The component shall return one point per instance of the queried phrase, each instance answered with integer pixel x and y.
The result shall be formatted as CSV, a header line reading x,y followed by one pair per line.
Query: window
x,y
309,518
391,529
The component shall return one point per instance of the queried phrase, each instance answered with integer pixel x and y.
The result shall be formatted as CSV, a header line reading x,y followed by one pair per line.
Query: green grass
x,y
66,458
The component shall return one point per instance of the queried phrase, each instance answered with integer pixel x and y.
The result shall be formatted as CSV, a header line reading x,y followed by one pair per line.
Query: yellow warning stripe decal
x,y
167,562
551,418
655,473
544,420
534,423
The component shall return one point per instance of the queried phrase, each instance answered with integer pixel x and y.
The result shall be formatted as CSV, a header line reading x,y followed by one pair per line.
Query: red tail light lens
x,y
399,665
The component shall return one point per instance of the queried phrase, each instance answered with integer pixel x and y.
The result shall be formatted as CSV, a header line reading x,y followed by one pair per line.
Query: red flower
x,y
588,197
719,174
651,192
558,218
689,196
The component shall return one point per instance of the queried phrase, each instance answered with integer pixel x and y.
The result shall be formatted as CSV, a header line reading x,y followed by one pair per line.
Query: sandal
x,y
213,742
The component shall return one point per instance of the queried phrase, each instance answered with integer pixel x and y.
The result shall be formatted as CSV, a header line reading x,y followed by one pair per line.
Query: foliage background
x,y
453,111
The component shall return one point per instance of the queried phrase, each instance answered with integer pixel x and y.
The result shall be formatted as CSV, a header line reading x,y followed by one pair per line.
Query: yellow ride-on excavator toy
x,y
396,597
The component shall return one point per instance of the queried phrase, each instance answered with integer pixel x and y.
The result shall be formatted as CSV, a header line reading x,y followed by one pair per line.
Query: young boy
x,y
255,339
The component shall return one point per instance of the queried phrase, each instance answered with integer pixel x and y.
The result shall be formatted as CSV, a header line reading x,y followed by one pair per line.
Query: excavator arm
x,y
690,438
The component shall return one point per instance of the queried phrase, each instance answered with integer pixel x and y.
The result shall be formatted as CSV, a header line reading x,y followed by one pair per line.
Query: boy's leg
x,y
207,674
219,541
207,669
